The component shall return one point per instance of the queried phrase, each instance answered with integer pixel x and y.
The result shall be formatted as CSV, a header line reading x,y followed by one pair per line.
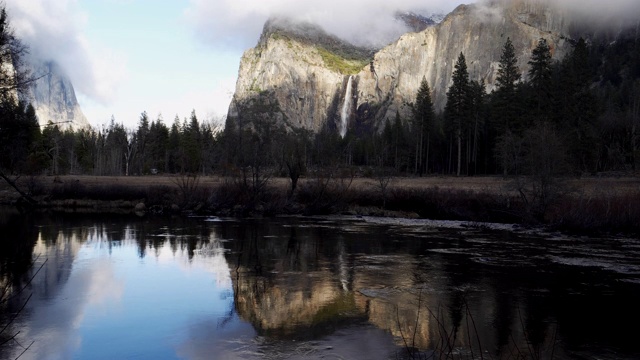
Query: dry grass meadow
x,y
609,204
488,184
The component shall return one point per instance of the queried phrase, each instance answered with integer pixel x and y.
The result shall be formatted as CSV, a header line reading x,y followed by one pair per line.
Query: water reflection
x,y
114,291
309,288
498,294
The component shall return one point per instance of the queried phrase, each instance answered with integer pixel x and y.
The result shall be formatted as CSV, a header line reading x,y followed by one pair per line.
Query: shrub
x,y
607,212
340,64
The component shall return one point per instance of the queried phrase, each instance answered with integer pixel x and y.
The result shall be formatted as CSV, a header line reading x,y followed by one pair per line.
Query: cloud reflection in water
x,y
97,298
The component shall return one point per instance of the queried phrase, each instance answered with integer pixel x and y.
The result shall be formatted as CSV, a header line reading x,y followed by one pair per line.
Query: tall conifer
x,y
505,102
540,77
457,110
423,117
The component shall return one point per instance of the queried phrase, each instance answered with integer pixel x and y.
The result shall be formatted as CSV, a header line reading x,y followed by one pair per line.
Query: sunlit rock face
x,y
283,308
478,32
288,304
53,97
60,251
309,289
286,78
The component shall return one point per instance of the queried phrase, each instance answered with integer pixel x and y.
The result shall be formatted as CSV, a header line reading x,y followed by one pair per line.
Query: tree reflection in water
x,y
436,290
17,240
333,283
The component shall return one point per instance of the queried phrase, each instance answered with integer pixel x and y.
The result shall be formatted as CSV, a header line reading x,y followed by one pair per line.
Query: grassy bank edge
x,y
600,209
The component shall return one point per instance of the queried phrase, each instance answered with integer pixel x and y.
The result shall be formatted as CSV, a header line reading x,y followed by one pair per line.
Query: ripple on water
x,y
614,265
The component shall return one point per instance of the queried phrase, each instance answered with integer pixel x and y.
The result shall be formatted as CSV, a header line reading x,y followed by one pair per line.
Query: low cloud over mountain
x,y
238,23
53,31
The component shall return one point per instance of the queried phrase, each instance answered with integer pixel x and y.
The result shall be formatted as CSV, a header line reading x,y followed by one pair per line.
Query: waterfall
x,y
346,109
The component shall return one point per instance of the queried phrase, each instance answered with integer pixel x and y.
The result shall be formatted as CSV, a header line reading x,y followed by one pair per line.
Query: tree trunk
x,y
26,196
415,170
459,135
421,152
468,159
635,118
426,166
450,165
475,146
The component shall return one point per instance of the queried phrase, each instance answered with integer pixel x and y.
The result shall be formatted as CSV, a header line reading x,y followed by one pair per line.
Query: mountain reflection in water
x,y
115,287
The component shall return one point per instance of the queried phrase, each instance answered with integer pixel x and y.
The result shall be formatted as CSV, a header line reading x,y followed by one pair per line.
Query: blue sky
x,y
171,57
129,56
168,72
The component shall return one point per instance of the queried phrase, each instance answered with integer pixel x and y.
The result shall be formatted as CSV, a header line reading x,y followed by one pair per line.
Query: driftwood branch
x,y
12,183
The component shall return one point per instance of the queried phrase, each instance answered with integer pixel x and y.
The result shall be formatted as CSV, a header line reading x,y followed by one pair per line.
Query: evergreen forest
x,y
576,116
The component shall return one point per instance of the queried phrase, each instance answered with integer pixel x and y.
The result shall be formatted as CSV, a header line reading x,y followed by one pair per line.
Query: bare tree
x,y
543,163
509,150
383,178
130,147
14,79
294,156
14,76
188,185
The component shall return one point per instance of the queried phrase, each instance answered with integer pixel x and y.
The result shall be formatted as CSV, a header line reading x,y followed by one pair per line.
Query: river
x,y
80,286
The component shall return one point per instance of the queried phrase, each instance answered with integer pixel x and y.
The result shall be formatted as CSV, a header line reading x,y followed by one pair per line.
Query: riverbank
x,y
594,204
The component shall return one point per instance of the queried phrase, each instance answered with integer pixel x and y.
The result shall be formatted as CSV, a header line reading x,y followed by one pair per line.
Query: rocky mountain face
x,y
416,22
53,97
477,31
301,77
295,75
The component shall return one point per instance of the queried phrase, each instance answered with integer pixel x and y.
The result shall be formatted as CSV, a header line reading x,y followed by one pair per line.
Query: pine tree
x,y
174,147
19,131
579,61
505,104
13,79
508,72
540,78
158,145
116,143
86,146
51,144
577,106
457,110
193,143
142,136
398,143
423,118
16,123
478,98
506,111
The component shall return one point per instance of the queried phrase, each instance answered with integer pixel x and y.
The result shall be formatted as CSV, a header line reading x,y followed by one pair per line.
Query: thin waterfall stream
x,y
346,108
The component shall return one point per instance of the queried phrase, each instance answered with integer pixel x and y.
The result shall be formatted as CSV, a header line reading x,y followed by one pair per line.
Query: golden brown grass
x,y
487,184
608,204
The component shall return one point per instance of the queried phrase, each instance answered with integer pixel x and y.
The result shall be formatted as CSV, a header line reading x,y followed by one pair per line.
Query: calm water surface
x,y
106,287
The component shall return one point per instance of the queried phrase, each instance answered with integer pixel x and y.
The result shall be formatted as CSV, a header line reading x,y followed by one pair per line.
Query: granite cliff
x,y
295,75
53,97
302,77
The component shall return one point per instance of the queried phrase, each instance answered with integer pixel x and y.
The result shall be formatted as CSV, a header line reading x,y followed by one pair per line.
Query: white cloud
x,y
53,30
238,23
209,103
599,7
591,9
